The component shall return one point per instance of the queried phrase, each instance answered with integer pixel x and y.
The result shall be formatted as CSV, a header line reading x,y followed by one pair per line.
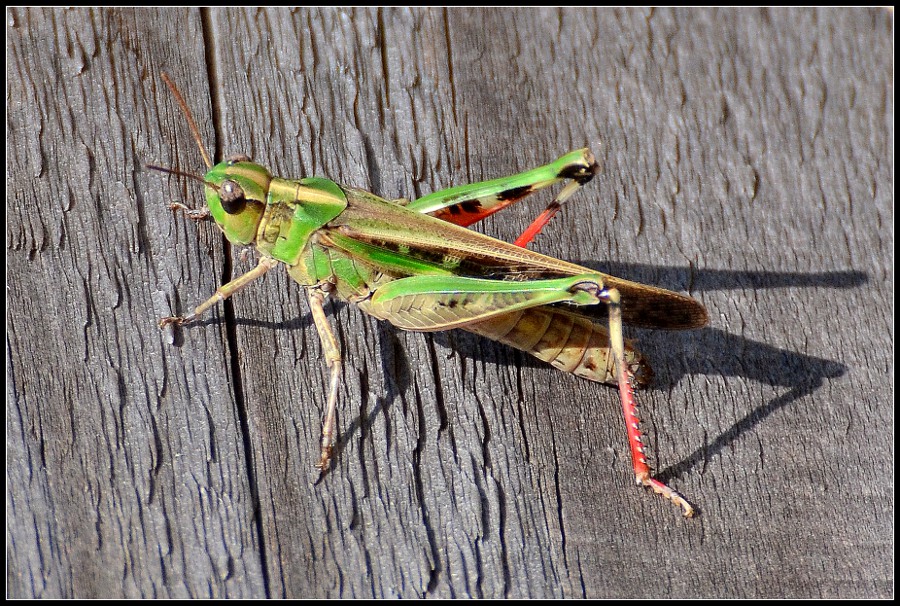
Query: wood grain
x,y
747,159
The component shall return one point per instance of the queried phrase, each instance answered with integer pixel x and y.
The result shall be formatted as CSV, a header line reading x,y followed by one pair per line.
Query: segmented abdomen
x,y
567,340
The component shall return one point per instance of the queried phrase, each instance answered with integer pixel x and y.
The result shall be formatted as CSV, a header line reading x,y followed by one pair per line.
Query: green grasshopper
x,y
416,265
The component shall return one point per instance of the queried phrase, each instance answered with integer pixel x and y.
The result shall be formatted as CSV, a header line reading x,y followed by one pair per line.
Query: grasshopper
x,y
416,265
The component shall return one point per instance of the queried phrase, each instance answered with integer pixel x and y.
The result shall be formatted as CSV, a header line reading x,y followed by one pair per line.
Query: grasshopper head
x,y
236,192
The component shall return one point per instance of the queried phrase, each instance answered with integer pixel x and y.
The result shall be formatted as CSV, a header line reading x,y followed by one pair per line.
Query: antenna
x,y
191,123
172,171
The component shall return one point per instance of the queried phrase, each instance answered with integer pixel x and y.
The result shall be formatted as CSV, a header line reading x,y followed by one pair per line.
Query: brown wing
x,y
392,228
650,307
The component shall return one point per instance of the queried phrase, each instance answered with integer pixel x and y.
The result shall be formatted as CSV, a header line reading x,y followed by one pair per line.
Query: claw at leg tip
x,y
324,460
663,490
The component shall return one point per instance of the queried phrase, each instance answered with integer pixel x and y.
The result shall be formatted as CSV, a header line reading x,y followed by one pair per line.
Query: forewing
x,y
453,249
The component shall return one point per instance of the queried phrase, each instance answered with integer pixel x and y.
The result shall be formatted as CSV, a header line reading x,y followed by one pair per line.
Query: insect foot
x,y
661,489
174,321
195,215
325,458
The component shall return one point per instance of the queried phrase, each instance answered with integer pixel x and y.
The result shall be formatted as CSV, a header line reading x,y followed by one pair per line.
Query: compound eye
x,y
237,158
232,197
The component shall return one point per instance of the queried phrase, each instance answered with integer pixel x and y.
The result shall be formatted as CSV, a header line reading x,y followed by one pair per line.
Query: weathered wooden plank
x,y
126,471
745,159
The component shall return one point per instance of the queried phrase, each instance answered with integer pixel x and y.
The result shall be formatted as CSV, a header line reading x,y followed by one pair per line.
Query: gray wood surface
x,y
747,159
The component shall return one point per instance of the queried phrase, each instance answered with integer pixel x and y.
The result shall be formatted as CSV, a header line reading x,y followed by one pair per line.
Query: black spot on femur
x,y
579,172
470,206
514,193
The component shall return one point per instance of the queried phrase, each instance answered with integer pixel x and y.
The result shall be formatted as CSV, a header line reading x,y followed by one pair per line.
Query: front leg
x,y
223,292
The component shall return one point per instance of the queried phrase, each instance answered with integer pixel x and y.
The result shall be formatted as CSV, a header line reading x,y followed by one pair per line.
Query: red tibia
x,y
633,427
638,459
537,225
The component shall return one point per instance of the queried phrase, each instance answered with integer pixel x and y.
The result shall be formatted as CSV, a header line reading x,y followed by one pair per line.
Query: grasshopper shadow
x,y
706,351
711,351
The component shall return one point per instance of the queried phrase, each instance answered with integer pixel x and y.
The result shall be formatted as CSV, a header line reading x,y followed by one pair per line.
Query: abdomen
x,y
566,340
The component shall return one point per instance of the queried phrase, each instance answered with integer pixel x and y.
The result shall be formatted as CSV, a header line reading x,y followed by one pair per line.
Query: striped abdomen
x,y
566,339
